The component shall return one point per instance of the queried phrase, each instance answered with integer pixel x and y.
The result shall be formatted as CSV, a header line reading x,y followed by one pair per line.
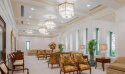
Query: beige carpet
x,y
41,67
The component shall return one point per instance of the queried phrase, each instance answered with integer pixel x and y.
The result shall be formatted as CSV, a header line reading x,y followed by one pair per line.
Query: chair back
x,y
3,68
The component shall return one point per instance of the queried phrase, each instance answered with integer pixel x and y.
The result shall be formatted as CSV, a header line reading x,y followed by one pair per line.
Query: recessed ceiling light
x,y
32,9
30,16
88,5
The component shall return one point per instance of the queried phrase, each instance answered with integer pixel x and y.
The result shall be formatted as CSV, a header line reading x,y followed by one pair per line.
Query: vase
x,y
92,61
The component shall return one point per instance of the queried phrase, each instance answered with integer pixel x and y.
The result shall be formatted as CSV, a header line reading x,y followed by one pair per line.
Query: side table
x,y
103,61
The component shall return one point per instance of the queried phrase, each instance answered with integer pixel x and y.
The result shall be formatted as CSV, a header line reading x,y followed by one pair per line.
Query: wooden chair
x,y
41,54
82,63
54,59
16,60
48,53
67,64
5,70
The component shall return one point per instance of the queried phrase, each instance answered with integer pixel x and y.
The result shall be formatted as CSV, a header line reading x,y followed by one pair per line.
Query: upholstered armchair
x,y
41,54
67,64
48,53
54,59
82,63
5,70
17,59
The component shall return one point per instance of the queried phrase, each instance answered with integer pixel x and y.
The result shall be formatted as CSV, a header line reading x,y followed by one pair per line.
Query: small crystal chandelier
x,y
43,31
50,24
66,9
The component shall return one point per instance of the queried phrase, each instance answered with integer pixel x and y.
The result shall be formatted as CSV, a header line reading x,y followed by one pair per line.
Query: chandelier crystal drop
x,y
50,24
66,10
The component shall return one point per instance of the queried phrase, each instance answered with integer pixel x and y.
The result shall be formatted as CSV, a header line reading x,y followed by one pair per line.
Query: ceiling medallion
x,y
66,9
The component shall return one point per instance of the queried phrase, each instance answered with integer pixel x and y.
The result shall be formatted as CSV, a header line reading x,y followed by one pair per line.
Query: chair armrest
x,y
20,69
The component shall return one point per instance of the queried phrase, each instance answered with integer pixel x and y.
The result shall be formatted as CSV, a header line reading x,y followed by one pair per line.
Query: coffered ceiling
x,y
35,12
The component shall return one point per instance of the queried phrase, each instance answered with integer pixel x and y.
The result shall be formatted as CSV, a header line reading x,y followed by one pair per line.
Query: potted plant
x,y
52,46
91,48
60,46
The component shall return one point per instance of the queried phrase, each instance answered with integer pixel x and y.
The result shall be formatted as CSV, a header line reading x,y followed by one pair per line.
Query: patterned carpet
x,y
41,67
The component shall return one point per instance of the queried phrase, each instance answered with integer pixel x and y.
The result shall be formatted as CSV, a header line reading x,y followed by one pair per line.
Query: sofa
x,y
117,67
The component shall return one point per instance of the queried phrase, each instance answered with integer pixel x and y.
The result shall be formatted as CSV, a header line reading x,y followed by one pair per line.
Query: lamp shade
x,y
82,46
103,46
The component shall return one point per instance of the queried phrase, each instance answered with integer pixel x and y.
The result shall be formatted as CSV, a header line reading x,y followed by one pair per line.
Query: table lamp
x,y
82,48
103,48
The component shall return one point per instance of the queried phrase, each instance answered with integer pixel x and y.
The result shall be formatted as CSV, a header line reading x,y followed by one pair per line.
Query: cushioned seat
x,y
18,62
70,68
5,70
84,67
117,66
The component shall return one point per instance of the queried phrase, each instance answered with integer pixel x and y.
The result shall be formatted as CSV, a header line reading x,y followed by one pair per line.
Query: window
x,y
112,45
27,45
66,44
71,42
77,40
86,40
97,39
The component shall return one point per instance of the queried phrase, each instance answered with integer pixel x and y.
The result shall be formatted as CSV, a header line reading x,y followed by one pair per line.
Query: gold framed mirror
x,y
2,39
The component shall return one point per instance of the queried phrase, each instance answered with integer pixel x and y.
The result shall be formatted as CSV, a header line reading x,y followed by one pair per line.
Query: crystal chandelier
x,y
66,10
50,24
43,31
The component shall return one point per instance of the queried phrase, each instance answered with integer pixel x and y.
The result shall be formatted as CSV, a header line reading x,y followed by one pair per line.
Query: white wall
x,y
36,42
92,22
7,14
120,21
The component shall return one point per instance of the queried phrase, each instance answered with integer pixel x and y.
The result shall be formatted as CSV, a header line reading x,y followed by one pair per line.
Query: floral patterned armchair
x,y
48,53
82,63
54,59
67,64
41,54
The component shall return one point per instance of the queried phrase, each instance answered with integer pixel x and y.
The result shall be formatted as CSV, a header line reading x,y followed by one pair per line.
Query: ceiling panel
x,y
82,9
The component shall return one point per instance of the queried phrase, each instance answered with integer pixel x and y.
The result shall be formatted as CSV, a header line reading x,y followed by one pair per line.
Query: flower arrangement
x,y
52,45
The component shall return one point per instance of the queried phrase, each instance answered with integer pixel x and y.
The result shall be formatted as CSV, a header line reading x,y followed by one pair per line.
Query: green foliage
x,y
92,46
60,46
113,53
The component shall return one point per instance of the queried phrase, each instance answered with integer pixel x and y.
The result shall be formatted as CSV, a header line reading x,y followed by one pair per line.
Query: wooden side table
x,y
103,61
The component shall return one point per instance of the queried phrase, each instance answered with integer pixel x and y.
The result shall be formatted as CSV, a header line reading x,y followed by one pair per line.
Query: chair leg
x,y
77,71
23,67
51,66
48,64
73,72
90,70
60,71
